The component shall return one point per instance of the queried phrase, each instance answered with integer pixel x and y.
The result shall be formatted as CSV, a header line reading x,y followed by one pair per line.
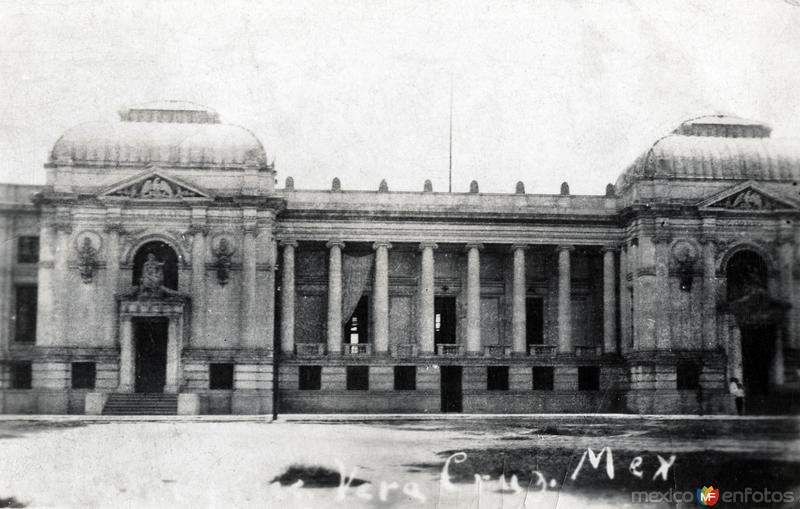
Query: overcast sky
x,y
542,91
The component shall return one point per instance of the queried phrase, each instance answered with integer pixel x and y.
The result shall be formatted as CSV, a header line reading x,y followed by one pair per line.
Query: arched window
x,y
164,254
746,272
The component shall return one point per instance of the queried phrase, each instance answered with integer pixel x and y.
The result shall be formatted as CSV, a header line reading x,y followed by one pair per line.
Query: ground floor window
x,y
357,378
497,378
83,375
543,378
21,375
25,314
688,376
588,378
405,378
310,378
220,376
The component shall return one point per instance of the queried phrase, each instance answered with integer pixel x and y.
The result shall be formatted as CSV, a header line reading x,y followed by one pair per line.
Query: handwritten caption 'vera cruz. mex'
x,y
386,490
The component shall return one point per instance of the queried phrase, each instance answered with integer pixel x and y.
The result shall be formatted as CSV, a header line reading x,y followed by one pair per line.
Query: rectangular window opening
x,y
220,376
310,378
497,378
444,311
688,376
25,314
543,378
356,329
21,375
588,378
534,320
28,249
83,375
405,378
357,378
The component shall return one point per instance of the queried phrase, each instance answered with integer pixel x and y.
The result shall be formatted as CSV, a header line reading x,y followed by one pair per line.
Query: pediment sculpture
x,y
155,187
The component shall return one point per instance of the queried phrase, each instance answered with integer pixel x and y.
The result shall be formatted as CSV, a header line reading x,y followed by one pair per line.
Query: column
x,y
709,313
380,298
335,297
173,356
624,301
126,366
46,328
786,261
287,297
661,296
425,312
473,298
248,312
564,300
7,241
609,301
199,310
518,292
60,290
112,281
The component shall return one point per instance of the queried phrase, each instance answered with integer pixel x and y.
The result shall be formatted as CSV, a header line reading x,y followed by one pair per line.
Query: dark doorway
x,y
758,345
356,328
151,353
163,254
444,311
451,389
534,318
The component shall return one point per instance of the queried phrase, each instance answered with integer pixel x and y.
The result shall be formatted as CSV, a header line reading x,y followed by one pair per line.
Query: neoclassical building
x,y
160,270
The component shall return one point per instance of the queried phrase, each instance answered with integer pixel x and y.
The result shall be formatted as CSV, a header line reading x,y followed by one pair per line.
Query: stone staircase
x,y
141,404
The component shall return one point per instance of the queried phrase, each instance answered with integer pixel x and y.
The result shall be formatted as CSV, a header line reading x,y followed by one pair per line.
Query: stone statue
x,y
152,278
87,260
223,253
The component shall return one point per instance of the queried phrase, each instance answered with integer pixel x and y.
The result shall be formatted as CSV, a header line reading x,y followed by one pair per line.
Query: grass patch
x,y
314,476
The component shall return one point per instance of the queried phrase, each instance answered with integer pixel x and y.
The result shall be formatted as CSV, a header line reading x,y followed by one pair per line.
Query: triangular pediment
x,y
155,185
747,197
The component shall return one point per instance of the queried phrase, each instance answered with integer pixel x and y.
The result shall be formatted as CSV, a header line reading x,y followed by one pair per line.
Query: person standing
x,y
737,391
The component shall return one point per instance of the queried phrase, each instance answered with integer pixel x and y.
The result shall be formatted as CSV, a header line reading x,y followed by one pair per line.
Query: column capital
x,y
473,245
381,243
200,228
518,247
565,247
425,245
115,227
609,249
288,242
335,243
250,229
707,239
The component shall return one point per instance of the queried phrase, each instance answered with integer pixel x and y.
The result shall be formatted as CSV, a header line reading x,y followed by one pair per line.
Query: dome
x,y
172,133
720,148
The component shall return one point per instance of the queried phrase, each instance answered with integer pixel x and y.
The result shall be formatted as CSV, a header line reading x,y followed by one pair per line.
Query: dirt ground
x,y
524,462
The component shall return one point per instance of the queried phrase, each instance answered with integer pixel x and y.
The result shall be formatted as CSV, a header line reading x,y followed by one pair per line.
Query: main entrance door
x,y
151,336
451,388
757,351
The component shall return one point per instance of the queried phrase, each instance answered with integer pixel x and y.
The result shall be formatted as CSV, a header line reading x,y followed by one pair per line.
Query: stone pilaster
x,y
709,309
564,299
609,301
662,300
335,297
287,297
45,312
127,368
786,261
473,298
172,379
7,241
380,298
624,301
198,231
249,260
518,292
425,311
113,231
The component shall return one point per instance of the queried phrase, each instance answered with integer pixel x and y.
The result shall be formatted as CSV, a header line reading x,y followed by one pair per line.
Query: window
x,y
405,378
588,378
83,375
355,330
310,378
688,378
28,250
21,375
497,378
543,378
534,319
444,312
357,378
25,314
220,376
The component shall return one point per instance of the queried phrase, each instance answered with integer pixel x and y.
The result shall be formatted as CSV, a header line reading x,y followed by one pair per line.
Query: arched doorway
x,y
163,253
151,330
758,320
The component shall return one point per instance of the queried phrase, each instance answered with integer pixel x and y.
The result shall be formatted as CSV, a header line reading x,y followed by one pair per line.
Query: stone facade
x,y
647,298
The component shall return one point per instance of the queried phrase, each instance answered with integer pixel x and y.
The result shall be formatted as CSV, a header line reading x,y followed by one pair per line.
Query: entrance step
x,y
141,404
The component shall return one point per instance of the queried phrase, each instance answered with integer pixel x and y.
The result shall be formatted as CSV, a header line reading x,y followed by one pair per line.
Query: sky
x,y
542,91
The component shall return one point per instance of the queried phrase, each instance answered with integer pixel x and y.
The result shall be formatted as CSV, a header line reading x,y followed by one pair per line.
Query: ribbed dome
x,y
171,133
720,148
